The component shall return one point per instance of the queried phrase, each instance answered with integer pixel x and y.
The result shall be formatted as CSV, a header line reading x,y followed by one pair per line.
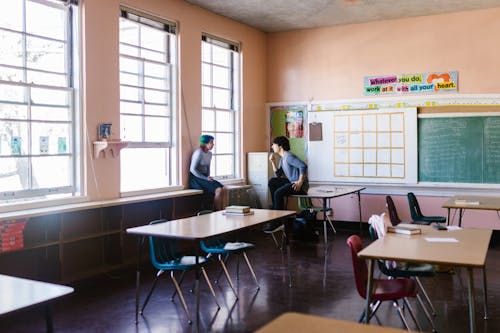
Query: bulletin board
x,y
369,146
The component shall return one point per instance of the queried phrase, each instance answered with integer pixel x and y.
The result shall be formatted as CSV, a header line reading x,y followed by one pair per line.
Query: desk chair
x,y
383,289
393,214
165,258
220,247
306,203
416,213
408,270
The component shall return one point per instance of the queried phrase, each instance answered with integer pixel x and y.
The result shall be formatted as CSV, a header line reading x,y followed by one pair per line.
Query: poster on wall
x,y
288,120
418,83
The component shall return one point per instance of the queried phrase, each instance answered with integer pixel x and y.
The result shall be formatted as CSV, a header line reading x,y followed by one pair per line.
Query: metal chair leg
x,y
331,224
180,282
412,314
428,300
151,291
251,269
210,286
426,312
181,296
401,314
227,275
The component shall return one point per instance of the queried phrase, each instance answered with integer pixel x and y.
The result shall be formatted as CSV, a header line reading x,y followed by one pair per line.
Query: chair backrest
x,y
358,265
160,250
415,211
393,213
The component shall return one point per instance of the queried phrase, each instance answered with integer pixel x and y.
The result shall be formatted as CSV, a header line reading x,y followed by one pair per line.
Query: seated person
x,y
292,168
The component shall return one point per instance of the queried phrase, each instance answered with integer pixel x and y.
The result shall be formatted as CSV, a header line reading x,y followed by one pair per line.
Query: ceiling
x,y
285,15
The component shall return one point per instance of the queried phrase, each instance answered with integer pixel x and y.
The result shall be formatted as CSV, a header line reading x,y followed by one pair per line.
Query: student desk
x,y
328,192
463,202
469,252
197,228
298,323
18,293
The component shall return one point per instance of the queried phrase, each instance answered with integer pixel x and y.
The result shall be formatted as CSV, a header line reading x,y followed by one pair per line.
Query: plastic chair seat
x,y
416,213
429,219
220,248
184,263
388,290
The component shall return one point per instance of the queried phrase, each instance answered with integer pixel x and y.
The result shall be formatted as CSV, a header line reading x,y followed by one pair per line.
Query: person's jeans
x,y
280,188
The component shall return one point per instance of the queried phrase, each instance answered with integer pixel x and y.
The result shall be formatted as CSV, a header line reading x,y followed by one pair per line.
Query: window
x,y
147,101
220,104
37,100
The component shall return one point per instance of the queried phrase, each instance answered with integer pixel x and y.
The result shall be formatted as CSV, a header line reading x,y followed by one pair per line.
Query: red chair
x,y
383,289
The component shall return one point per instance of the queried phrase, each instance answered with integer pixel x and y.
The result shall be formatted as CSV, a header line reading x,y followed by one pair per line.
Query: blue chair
x,y
416,213
223,250
307,203
165,258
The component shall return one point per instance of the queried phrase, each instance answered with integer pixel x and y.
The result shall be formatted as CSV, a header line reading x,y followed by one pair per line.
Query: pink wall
x,y
101,79
330,63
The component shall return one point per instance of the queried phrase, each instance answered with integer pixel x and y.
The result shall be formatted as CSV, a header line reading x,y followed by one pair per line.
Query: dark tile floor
x,y
322,286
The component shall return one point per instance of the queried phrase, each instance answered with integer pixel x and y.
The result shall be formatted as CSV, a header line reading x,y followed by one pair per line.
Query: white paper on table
x,y
453,228
441,239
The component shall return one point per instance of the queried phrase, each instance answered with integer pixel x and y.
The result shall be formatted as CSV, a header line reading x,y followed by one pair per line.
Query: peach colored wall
x,y
101,79
330,63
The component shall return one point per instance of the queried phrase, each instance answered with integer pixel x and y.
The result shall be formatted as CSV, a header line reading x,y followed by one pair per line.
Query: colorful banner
x,y
432,82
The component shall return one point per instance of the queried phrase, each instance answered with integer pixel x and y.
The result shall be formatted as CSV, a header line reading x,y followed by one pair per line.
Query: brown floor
x,y
322,287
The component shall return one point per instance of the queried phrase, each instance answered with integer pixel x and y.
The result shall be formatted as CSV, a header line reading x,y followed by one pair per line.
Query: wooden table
x,y
469,252
298,323
328,192
463,202
18,293
197,228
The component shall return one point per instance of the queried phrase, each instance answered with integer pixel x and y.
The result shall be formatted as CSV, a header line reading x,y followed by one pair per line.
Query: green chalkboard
x,y
459,149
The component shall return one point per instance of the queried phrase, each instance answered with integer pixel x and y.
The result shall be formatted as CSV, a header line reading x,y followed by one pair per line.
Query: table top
x,y
208,225
473,202
298,323
17,293
469,250
329,191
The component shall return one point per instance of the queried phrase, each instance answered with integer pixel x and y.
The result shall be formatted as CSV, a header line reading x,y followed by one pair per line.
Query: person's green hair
x,y
205,139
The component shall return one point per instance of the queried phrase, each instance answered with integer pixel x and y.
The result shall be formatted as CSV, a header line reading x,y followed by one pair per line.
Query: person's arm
x,y
195,162
277,169
302,167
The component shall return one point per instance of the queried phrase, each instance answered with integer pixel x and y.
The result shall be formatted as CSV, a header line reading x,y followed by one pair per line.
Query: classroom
x,y
102,103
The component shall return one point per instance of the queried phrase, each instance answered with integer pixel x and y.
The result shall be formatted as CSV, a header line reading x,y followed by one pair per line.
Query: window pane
x,y
45,21
137,175
206,52
155,70
130,65
221,56
225,121
129,50
129,32
12,111
51,171
153,39
14,175
50,96
207,97
14,138
206,75
11,50
130,93
157,129
208,120
221,98
50,113
58,80
224,143
157,110
10,74
12,15
157,83
224,165
131,128
221,77
153,55
129,79
12,93
129,107
45,54
45,138
155,96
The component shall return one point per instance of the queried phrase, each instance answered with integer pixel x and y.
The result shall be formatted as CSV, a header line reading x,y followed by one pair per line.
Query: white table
x,y
18,293
197,228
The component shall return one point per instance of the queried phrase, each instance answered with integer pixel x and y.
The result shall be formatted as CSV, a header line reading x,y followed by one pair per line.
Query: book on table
x,y
238,209
407,230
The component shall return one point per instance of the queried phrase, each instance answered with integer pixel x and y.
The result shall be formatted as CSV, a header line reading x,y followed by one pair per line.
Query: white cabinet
x,y
259,172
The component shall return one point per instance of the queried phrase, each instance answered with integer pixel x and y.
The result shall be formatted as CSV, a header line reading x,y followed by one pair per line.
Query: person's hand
x,y
271,157
297,185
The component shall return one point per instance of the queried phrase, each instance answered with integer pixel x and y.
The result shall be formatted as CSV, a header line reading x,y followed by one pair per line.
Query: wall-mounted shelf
x,y
112,147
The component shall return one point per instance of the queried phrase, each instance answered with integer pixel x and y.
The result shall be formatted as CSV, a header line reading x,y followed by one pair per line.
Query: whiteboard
x,y
368,146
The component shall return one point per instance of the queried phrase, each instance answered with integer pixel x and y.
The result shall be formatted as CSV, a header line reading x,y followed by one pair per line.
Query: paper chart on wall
x,y
365,146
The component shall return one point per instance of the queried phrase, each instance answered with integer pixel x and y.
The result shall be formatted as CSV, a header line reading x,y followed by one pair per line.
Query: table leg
x,y
485,294
472,307
359,208
48,319
287,245
369,286
460,216
197,290
140,242
448,219
324,224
